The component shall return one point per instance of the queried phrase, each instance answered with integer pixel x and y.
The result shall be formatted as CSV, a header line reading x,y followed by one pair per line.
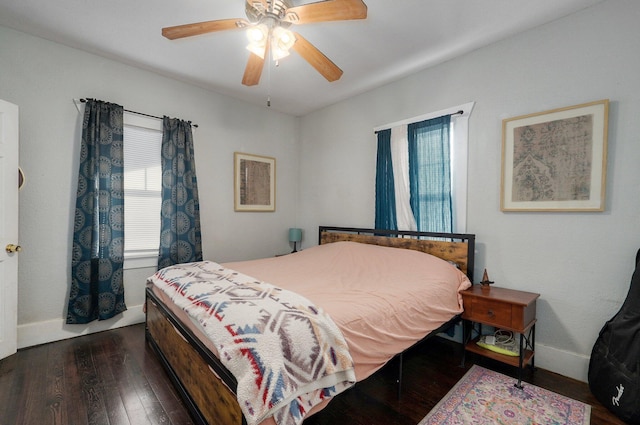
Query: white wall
x,y
43,78
580,263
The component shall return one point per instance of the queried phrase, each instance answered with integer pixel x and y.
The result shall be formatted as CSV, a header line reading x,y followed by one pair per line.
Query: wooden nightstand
x,y
501,308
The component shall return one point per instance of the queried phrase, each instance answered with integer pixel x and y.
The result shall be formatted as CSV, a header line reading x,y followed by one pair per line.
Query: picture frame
x,y
254,182
555,160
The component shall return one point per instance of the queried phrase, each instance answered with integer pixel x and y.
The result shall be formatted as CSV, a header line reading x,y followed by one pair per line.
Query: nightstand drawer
x,y
491,312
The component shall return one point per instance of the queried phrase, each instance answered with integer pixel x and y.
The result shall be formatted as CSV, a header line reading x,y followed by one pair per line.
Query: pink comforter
x,y
383,299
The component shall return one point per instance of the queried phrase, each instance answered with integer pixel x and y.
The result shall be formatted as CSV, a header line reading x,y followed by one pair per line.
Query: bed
x,y
376,324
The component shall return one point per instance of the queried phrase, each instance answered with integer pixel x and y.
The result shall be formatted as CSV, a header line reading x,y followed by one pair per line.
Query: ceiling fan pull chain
x,y
268,86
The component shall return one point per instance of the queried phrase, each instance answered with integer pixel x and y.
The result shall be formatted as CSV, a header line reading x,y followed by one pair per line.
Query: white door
x,y
8,228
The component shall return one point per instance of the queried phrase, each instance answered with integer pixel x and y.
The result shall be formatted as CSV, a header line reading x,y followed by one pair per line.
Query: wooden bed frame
x,y
207,387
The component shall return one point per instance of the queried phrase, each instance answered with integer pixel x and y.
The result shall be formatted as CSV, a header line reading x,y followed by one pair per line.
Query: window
x,y
458,137
429,145
142,190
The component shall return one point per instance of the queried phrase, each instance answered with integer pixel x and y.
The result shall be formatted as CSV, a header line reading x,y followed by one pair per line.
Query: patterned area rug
x,y
486,397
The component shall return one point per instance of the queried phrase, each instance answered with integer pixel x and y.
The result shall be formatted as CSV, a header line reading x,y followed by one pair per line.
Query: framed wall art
x,y
254,182
555,160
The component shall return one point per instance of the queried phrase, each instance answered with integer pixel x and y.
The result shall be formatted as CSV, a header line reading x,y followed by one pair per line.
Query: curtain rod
x,y
460,112
142,113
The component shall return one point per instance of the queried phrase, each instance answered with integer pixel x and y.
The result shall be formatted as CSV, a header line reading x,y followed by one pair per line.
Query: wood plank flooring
x,y
114,378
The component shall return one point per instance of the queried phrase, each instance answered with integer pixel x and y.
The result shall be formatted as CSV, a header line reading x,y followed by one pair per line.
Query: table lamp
x,y
295,236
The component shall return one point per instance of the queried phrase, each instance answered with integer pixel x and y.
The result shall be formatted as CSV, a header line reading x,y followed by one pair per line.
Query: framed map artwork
x,y
555,160
254,182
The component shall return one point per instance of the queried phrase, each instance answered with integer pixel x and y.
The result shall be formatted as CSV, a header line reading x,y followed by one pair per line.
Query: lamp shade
x,y
295,234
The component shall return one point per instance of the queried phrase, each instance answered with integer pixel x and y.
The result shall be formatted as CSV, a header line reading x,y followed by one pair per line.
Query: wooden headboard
x,y
455,247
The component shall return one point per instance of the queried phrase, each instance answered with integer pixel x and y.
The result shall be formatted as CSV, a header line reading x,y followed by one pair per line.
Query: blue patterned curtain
x,y
385,191
180,239
430,174
97,291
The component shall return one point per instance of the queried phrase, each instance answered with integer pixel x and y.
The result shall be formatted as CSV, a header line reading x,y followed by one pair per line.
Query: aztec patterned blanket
x,y
286,354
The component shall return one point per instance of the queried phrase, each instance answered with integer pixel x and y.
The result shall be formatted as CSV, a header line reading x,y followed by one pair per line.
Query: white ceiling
x,y
399,37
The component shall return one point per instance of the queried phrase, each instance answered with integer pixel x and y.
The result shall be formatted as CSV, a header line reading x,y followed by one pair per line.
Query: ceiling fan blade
x,y
317,59
330,10
199,28
253,71
257,4
255,9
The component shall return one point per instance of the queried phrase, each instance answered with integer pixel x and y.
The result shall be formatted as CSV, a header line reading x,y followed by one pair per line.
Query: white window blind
x,y
142,187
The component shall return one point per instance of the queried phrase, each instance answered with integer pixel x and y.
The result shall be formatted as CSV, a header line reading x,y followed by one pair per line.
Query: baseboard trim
x,y
565,363
37,333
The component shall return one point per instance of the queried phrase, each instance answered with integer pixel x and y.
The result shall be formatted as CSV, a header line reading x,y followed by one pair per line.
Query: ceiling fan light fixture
x,y
283,38
257,36
281,41
277,54
256,50
257,33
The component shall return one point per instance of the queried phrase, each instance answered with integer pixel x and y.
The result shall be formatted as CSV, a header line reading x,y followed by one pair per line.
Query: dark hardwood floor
x,y
114,378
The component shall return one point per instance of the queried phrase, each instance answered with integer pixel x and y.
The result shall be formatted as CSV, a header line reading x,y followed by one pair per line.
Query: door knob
x,y
11,248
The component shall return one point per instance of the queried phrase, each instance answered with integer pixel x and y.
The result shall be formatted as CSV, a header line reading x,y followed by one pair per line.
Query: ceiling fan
x,y
267,25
